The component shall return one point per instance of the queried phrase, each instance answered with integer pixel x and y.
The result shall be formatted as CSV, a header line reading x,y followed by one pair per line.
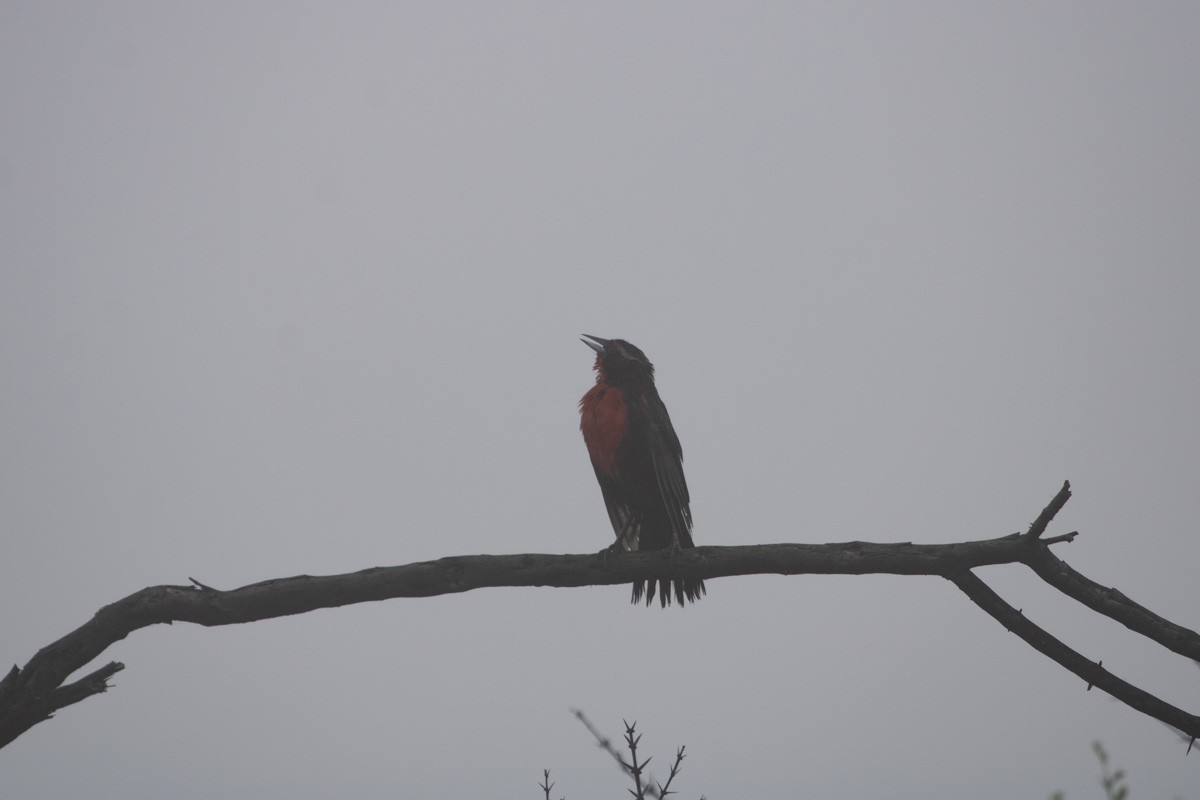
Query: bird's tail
x,y
684,591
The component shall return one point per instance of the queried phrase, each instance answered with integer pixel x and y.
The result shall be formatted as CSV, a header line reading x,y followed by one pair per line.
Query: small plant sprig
x,y
546,785
1114,784
643,786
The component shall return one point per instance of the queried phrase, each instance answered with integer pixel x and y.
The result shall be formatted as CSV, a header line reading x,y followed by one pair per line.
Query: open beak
x,y
596,344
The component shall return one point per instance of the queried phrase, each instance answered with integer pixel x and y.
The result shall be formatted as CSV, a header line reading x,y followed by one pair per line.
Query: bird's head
x,y
619,362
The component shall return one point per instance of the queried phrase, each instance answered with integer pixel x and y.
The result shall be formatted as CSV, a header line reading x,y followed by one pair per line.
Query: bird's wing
x,y
626,524
667,459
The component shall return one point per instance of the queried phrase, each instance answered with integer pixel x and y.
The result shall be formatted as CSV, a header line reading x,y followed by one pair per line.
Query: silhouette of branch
x,y
31,694
21,716
603,741
1091,671
1048,513
1113,603
664,789
642,789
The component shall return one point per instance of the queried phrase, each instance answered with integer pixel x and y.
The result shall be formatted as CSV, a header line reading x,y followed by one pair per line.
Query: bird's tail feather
x,y
684,591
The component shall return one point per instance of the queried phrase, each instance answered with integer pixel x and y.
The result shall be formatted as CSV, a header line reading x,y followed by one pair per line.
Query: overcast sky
x,y
297,288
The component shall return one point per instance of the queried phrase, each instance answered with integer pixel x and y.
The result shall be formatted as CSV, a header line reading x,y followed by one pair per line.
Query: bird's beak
x,y
596,344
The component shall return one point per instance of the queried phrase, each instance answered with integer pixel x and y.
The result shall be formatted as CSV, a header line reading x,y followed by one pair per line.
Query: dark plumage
x,y
638,462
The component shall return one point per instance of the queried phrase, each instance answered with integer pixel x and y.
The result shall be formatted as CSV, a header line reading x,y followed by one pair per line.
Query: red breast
x,y
604,424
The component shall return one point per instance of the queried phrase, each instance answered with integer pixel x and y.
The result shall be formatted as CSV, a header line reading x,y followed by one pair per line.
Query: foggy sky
x,y
297,289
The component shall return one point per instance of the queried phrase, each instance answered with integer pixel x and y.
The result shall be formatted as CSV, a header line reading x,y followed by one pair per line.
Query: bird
x,y
638,462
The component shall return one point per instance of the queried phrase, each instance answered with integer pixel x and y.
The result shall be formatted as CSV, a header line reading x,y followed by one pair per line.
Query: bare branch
x,y
85,687
31,694
1092,672
1039,525
1066,537
1113,603
203,605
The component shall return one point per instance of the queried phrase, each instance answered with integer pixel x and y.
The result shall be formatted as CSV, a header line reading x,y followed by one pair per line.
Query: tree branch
x,y
1090,671
33,693
1112,603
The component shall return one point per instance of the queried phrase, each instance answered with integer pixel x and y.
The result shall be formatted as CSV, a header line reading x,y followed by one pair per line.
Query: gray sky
x,y
297,289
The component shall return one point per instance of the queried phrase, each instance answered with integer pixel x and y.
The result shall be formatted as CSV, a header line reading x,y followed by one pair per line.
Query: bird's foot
x,y
615,547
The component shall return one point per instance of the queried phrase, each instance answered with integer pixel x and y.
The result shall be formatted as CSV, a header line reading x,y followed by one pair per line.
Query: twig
x,y
85,687
664,788
602,740
631,741
634,768
1039,525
